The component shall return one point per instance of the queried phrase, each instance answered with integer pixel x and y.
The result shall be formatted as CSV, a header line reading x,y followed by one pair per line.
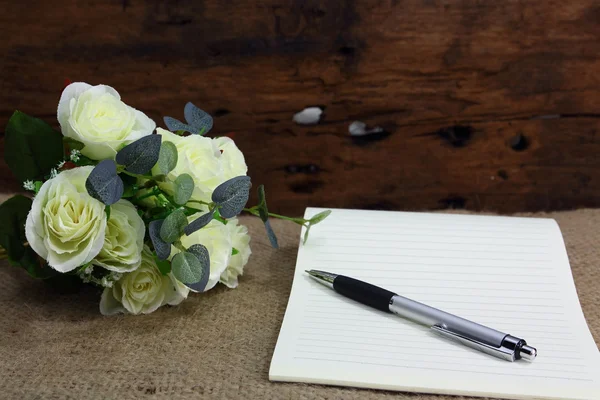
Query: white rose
x,y
215,237
232,158
66,226
96,116
209,162
142,291
124,239
240,240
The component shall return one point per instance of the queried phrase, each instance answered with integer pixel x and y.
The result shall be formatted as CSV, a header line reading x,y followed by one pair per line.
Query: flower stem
x,y
155,192
299,221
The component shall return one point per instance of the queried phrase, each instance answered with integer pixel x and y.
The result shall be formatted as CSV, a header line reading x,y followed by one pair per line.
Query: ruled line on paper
x,y
441,369
454,355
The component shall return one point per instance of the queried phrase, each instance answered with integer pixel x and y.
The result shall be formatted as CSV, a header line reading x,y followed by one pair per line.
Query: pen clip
x,y
500,352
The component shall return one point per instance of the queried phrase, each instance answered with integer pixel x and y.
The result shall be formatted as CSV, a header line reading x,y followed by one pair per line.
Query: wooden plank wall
x,y
487,105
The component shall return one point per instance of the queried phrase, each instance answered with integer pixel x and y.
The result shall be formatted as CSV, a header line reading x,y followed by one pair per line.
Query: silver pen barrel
x,y
430,316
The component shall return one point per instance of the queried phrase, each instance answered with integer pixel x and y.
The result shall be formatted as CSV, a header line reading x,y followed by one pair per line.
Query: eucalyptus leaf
x,y
184,187
232,195
175,125
306,233
271,235
173,226
319,217
201,253
104,184
263,212
187,268
140,156
162,248
199,223
31,147
167,158
200,120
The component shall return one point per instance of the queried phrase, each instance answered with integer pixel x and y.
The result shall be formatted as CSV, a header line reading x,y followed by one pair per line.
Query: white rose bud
x,y
142,291
96,116
215,237
240,240
124,239
66,226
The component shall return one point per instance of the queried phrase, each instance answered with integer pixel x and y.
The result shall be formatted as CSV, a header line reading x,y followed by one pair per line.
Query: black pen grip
x,y
363,292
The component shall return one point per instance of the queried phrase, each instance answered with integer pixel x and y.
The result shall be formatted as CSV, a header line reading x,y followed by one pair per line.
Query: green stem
x,y
155,192
200,202
179,246
299,221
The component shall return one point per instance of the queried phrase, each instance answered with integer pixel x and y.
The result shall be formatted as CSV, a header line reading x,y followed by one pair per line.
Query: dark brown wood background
x,y
488,105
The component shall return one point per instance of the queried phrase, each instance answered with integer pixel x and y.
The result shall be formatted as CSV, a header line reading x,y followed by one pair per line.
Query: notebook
x,y
511,274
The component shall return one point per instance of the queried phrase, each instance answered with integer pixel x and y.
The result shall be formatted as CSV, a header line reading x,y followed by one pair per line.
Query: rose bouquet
x,y
145,213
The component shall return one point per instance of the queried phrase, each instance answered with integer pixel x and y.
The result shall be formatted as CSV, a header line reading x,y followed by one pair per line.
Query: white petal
x,y
109,305
70,92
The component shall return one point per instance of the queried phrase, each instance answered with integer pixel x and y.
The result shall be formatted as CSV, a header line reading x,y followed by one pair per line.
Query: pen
x,y
468,333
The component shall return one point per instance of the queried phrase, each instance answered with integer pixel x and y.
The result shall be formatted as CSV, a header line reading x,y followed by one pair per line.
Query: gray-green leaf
x,y
271,235
186,267
203,257
201,121
175,125
162,248
140,156
199,222
173,226
104,184
184,187
167,158
232,195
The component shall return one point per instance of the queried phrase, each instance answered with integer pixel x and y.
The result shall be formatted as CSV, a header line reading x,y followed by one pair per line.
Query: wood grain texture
x,y
484,105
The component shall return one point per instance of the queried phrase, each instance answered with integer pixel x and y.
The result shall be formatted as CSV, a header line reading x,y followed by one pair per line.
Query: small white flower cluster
x,y
29,185
106,281
75,154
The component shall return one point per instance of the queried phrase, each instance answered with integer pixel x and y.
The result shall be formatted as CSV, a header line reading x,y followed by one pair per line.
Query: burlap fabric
x,y
216,345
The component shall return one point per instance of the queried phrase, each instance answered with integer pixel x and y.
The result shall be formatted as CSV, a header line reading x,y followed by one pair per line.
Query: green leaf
x,y
234,251
13,214
187,268
232,195
164,266
167,158
162,249
306,234
263,212
107,211
104,184
319,217
72,143
35,266
32,147
173,226
184,187
140,156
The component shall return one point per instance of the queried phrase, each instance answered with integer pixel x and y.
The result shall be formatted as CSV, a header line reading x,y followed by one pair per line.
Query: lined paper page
x,y
511,274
